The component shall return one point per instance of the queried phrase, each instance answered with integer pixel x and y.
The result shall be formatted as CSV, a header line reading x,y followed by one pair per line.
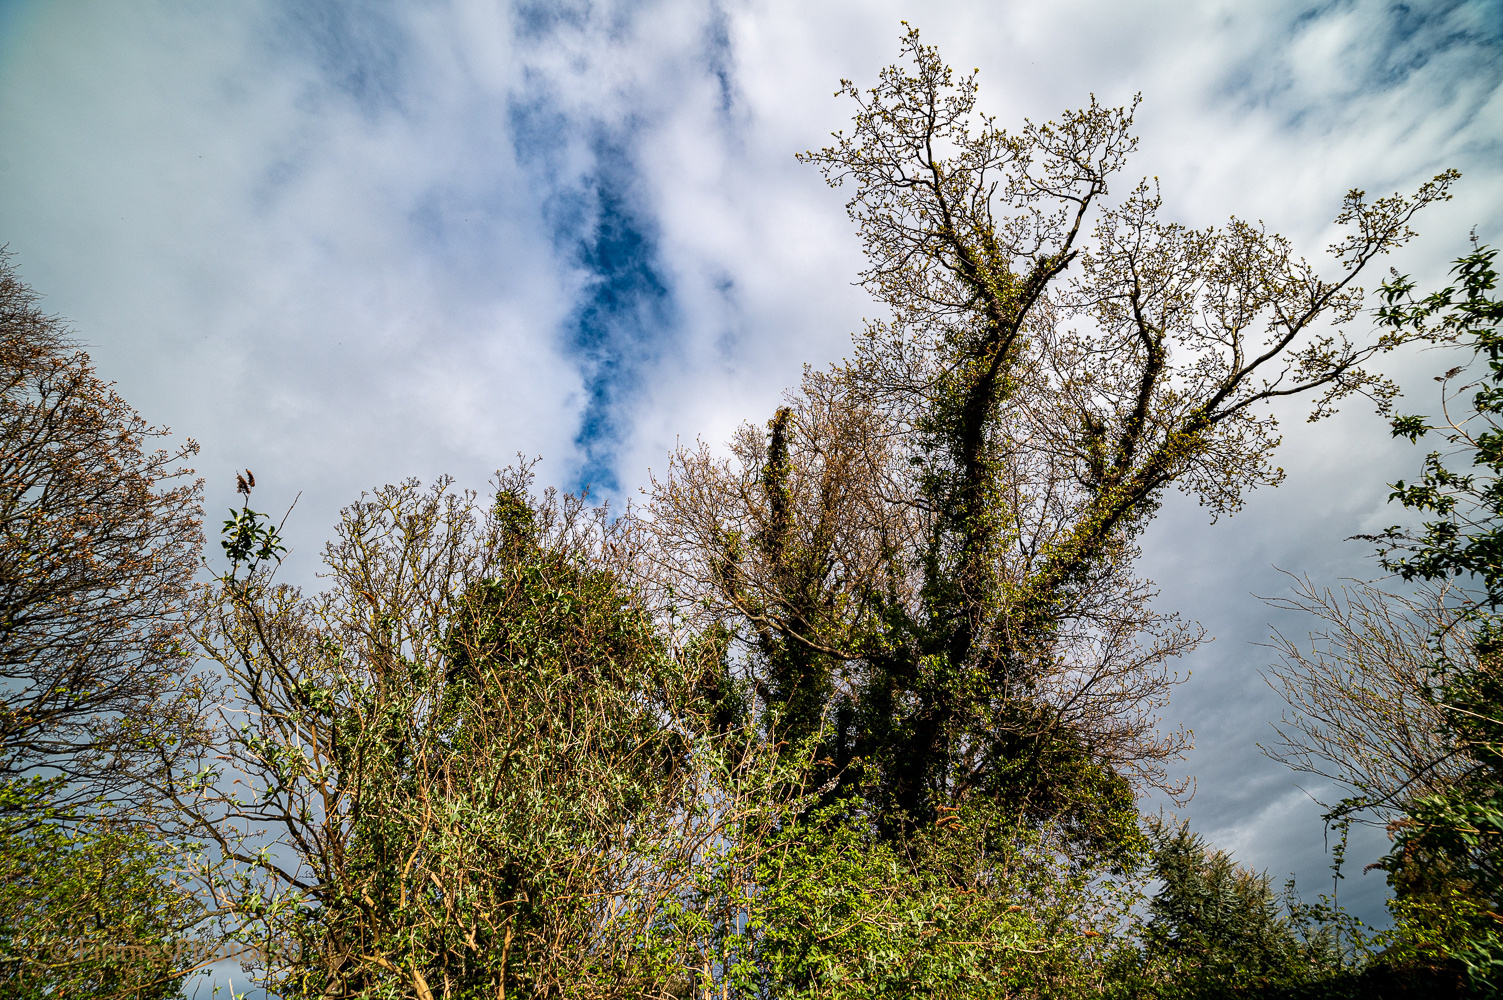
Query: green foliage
x,y
866,717
1445,866
476,763
1217,929
88,903
968,909
1468,537
930,549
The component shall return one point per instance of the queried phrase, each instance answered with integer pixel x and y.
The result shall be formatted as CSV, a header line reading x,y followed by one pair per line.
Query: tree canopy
x,y
99,540
861,708
932,546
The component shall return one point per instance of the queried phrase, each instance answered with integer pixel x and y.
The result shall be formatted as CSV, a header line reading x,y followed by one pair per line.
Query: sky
x,y
342,244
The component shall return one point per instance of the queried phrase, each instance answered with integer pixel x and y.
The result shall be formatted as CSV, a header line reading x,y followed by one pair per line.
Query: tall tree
x,y
1217,929
473,765
933,547
99,541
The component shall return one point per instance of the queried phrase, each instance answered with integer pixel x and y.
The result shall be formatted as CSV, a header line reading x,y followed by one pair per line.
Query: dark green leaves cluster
x,y
1467,538
250,539
1445,864
1217,929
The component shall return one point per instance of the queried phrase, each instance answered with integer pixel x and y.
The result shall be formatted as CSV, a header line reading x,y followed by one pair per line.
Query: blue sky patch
x,y
626,312
602,227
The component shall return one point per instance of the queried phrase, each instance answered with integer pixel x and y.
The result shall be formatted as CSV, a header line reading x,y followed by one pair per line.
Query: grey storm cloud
x,y
344,244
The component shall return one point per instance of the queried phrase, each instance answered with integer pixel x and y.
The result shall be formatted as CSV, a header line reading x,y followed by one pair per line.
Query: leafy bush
x,y
89,905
